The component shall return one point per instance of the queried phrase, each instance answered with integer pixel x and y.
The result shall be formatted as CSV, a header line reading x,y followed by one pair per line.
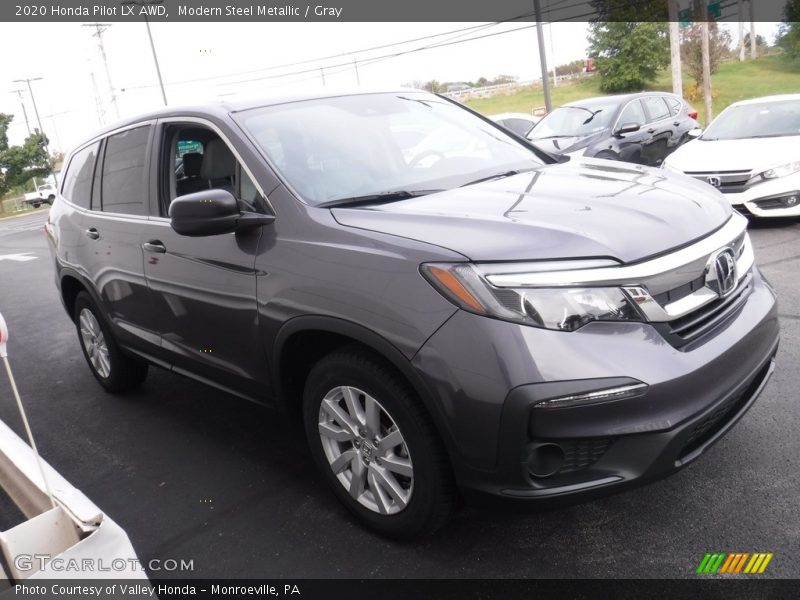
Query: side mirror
x,y
695,133
627,128
211,212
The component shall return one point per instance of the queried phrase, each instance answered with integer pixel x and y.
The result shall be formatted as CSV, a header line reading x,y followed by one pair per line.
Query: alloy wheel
x,y
366,450
94,342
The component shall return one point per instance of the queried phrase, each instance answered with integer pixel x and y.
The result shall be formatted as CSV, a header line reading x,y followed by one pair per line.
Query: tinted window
x,y
78,179
656,107
520,126
633,113
124,182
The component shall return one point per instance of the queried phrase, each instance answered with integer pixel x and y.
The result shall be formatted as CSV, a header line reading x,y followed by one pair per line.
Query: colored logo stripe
x,y
734,562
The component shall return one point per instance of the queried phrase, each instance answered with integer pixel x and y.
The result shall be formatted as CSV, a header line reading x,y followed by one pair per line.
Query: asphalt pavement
x,y
194,474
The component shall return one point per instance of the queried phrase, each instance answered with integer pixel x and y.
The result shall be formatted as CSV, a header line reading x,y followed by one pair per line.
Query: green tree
x,y
719,48
628,55
789,36
18,164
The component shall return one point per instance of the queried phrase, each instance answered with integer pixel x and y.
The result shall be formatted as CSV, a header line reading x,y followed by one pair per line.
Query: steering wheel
x,y
422,155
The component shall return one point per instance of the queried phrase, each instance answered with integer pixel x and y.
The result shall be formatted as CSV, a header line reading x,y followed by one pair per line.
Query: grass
x,y
7,209
733,81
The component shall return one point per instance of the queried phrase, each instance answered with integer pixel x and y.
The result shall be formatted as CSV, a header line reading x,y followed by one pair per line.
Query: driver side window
x,y
633,113
198,159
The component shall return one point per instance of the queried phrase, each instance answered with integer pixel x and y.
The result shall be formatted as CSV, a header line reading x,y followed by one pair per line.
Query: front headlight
x,y
562,309
782,170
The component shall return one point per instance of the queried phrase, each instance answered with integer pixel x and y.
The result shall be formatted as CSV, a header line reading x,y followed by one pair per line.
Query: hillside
x,y
776,74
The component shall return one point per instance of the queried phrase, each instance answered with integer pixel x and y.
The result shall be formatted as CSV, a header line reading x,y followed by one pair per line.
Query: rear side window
x,y
656,107
519,126
124,181
78,179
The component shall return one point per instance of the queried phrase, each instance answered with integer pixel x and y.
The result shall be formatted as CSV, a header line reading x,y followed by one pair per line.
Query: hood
x,y
562,145
735,155
579,209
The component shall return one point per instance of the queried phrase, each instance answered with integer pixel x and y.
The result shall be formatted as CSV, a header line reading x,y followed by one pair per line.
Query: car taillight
x,y
693,113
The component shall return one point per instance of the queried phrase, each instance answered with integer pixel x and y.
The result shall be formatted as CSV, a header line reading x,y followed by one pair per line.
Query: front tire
x,y
376,446
115,371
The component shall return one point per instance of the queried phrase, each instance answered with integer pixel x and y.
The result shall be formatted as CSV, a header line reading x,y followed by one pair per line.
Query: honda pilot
x,y
449,311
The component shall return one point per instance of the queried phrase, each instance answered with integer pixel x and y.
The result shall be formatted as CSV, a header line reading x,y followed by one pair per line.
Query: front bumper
x,y
768,199
488,374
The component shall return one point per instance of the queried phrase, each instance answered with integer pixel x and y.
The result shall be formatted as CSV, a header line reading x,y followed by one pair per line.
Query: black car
x,y
640,128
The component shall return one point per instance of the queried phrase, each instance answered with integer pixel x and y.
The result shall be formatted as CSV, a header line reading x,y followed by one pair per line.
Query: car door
x,y
112,258
631,146
204,288
659,127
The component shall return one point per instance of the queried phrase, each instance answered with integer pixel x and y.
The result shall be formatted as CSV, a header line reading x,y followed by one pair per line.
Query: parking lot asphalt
x,y
194,474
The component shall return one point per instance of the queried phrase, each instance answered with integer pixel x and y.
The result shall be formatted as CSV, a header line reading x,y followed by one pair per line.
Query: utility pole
x,y
706,69
322,73
675,48
739,4
36,110
355,65
101,116
100,28
753,48
542,56
24,111
155,60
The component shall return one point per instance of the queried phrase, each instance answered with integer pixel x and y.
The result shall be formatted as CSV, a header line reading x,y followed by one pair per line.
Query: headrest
x,y
218,161
191,164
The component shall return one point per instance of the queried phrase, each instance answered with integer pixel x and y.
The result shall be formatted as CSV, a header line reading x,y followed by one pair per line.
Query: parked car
x,y
750,153
44,194
454,315
519,123
639,128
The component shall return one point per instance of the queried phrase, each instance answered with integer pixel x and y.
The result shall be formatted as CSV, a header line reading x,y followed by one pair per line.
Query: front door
x,y
204,288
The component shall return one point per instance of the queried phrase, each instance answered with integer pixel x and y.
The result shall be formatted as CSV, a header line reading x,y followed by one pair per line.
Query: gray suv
x,y
449,311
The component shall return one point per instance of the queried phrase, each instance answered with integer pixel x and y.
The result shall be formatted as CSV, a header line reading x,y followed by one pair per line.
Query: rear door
x,y
204,288
112,258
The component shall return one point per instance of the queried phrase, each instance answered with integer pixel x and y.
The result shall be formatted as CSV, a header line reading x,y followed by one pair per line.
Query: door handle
x,y
154,246
676,124
651,131
92,233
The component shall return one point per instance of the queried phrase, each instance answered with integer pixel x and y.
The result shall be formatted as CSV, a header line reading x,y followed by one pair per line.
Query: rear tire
x,y
115,371
400,486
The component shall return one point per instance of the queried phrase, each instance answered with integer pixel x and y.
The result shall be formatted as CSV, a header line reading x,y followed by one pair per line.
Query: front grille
x,y
712,423
582,453
708,317
730,182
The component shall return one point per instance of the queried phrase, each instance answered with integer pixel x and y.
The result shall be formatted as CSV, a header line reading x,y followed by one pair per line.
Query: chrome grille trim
x,y
636,274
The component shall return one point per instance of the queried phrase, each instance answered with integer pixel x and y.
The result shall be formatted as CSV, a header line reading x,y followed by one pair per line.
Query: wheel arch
x,y
325,334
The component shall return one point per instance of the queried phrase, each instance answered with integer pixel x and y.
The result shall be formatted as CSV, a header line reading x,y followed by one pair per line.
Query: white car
x,y
519,123
750,153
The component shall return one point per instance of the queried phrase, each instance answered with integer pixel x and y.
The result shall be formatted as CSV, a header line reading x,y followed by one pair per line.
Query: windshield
x,y
575,121
764,119
357,146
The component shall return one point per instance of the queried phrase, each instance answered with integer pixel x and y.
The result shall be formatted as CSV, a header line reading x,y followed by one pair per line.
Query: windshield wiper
x,y
392,196
497,176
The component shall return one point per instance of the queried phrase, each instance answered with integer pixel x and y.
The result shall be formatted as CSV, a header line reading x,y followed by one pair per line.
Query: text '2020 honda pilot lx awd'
x,y
447,309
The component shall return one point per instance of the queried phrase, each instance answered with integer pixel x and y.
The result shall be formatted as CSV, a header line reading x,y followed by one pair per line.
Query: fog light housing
x,y
545,460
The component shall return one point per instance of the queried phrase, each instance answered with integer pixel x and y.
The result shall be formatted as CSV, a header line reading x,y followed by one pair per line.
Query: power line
x,y
334,56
